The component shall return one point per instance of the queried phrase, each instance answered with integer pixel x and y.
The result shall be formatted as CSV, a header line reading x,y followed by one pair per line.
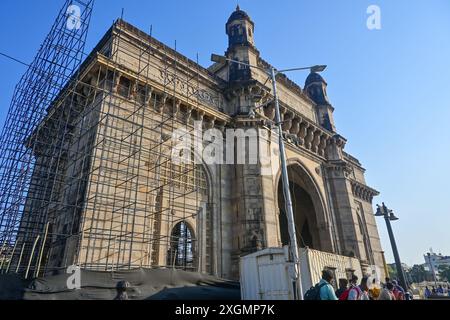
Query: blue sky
x,y
390,87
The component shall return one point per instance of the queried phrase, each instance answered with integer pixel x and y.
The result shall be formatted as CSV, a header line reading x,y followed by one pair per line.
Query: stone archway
x,y
312,225
183,217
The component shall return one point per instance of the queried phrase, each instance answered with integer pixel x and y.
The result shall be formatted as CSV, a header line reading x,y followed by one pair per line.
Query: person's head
x,y
327,275
343,283
354,279
364,285
440,286
387,280
374,281
394,282
389,286
426,288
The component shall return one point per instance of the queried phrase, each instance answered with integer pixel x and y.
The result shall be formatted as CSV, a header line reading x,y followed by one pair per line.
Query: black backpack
x,y
314,292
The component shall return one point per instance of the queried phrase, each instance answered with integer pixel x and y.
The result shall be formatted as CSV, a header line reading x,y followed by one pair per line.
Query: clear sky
x,y
390,87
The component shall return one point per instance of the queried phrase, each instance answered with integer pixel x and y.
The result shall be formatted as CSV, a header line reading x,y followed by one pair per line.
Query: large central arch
x,y
310,215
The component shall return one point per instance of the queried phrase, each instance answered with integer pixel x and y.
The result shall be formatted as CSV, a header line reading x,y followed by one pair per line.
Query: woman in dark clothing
x,y
343,283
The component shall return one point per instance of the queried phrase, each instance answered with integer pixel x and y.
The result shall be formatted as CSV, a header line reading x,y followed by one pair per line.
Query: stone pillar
x,y
255,224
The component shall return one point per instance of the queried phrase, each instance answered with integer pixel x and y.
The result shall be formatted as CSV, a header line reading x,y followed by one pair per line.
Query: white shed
x,y
266,274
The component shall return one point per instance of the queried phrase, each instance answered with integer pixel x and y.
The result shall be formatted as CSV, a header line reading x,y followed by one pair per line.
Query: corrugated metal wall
x,y
312,262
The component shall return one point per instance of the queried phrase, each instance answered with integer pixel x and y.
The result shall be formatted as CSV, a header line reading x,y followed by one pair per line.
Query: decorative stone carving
x,y
188,115
116,82
148,97
303,132
269,112
309,138
176,107
315,141
322,145
318,171
363,192
295,128
210,124
203,95
287,121
253,186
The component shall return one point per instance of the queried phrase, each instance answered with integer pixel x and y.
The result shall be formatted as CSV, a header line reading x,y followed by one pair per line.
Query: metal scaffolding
x,y
87,175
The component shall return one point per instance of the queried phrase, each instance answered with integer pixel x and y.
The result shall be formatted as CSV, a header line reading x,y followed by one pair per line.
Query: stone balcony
x,y
304,133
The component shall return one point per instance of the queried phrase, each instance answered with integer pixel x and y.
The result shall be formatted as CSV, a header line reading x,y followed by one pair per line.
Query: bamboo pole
x,y
12,256
1,253
31,256
20,257
41,252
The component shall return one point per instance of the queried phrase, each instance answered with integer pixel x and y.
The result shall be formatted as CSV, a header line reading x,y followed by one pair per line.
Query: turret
x,y
241,45
316,89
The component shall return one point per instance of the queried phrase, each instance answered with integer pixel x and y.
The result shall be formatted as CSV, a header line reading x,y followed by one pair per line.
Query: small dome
x,y
316,88
238,14
314,77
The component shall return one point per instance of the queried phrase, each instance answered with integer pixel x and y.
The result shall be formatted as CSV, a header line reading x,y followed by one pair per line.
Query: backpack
x,y
314,292
344,295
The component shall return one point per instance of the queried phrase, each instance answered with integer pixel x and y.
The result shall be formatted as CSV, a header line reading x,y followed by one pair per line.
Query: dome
x,y
239,14
314,77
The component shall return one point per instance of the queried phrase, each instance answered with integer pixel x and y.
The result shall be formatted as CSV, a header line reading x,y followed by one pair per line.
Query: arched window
x,y
182,247
365,238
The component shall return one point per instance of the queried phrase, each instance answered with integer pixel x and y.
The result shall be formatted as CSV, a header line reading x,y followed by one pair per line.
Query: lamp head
x,y
217,58
318,68
392,217
379,213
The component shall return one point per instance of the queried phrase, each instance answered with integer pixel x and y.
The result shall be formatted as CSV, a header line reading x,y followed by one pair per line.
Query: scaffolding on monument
x,y
87,176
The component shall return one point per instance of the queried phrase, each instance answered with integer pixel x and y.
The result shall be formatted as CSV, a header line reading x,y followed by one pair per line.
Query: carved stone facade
x,y
236,209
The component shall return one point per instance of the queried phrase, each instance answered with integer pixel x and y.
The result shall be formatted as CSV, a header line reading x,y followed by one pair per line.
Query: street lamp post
x,y
272,73
388,217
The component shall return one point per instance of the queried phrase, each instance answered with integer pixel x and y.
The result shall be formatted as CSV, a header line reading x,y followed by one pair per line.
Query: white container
x,y
265,275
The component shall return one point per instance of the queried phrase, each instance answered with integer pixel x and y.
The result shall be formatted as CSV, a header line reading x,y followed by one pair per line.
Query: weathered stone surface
x,y
136,197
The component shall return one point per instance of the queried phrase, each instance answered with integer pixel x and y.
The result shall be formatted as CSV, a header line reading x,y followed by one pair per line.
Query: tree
x,y
444,272
392,271
418,273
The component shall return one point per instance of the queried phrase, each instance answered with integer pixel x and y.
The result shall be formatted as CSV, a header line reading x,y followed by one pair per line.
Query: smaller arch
x,y
181,253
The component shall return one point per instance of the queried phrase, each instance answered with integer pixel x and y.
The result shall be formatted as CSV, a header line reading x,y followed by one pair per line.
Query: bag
x,y
344,295
314,292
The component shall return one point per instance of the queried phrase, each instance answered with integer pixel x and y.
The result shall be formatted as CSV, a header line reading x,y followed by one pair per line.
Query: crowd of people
x,y
352,290
440,291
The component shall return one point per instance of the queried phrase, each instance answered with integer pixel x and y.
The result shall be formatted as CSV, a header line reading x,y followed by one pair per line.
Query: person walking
x,y
427,293
375,291
327,290
353,292
398,291
364,289
386,293
322,290
440,290
343,284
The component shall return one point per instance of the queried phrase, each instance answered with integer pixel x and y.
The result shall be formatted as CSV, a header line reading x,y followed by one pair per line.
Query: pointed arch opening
x,y
310,216
182,247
